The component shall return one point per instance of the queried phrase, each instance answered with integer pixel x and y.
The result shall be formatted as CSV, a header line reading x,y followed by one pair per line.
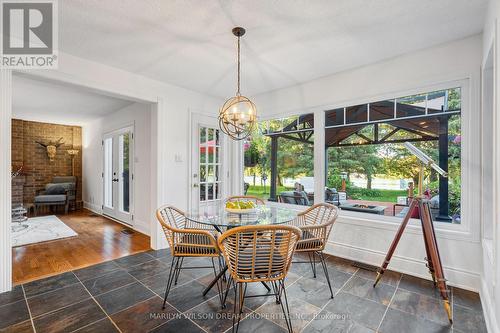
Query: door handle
x,y
115,179
195,185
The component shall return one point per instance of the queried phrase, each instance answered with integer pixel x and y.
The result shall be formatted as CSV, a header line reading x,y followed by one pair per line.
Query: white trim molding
x,y
95,208
404,264
488,308
161,169
5,180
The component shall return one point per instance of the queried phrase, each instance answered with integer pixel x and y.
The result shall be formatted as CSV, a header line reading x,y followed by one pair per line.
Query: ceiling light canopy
x,y
238,115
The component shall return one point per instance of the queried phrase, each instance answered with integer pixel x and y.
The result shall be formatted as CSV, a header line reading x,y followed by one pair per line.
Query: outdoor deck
x,y
389,206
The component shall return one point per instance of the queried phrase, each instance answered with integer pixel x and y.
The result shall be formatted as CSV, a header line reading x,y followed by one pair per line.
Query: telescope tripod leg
x,y
435,258
430,264
381,270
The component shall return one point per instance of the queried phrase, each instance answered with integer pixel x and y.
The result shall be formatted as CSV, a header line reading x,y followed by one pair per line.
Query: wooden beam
x,y
379,143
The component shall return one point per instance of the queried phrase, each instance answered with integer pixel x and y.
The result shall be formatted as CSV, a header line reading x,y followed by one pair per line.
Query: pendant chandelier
x,y
238,115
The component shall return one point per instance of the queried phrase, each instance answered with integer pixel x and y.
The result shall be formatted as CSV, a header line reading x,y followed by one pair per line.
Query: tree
x,y
361,159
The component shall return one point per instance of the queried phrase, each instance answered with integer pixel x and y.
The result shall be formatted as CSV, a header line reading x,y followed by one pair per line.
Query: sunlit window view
x,y
362,144
285,146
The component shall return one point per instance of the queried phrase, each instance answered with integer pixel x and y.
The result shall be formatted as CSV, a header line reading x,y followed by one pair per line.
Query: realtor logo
x,y
29,34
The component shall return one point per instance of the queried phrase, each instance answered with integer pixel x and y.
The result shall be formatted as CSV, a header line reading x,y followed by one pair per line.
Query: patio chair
x,y
316,224
332,196
186,239
254,199
258,254
294,198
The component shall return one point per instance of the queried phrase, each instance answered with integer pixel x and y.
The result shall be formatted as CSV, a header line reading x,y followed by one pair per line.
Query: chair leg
x,y
313,263
178,269
239,300
325,269
170,279
276,292
219,283
284,307
236,311
221,264
228,287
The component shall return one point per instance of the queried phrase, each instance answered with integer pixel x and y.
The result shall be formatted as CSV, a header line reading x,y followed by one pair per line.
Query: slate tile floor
x,y
125,295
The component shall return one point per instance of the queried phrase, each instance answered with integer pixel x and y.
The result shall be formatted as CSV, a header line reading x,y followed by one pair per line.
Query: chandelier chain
x,y
238,115
238,92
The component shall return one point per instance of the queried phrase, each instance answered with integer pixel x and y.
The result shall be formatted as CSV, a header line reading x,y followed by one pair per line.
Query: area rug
x,y
41,229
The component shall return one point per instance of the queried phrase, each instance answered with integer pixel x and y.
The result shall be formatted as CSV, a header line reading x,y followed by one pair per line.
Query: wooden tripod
x,y
431,248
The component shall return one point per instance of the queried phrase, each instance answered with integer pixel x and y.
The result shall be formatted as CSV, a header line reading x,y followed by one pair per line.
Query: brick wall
x,y
39,169
18,190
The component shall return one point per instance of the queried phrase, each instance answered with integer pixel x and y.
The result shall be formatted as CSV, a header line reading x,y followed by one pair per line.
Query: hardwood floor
x,y
99,239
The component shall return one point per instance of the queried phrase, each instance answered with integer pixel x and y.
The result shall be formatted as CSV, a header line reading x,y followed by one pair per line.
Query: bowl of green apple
x,y
240,207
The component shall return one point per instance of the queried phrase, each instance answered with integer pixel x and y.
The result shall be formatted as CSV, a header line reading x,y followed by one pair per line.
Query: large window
x,y
279,161
370,171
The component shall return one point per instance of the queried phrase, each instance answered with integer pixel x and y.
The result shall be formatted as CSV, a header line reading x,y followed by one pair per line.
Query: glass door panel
x,y
118,175
209,161
124,164
108,173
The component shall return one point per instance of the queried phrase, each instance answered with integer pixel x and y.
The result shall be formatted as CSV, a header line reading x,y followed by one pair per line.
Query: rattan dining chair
x,y
251,198
258,253
187,239
316,224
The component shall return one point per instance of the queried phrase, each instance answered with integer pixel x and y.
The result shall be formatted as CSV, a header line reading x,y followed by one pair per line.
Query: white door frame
x,y
196,120
5,180
127,218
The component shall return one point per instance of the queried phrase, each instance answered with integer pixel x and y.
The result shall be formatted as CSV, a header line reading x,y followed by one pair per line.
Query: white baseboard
x,y
456,277
488,309
92,207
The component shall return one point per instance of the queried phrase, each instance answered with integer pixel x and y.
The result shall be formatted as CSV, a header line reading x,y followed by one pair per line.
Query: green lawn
x,y
376,195
263,192
358,193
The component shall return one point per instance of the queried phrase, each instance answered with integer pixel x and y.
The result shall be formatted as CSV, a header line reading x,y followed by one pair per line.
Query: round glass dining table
x,y
216,216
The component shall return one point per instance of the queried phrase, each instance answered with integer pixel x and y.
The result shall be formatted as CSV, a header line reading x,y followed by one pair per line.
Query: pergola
x,y
370,124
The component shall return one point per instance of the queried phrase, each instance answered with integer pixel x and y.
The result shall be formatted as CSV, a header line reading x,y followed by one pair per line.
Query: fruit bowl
x,y
240,211
240,207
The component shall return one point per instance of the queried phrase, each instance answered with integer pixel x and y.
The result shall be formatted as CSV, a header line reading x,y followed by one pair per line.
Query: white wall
x,y
366,238
139,115
490,291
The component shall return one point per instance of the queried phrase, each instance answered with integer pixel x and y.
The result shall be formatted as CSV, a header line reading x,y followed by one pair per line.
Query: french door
x,y
208,184
118,174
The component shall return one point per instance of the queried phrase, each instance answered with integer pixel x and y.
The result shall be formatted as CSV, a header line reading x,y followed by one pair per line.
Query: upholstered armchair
x,y
61,191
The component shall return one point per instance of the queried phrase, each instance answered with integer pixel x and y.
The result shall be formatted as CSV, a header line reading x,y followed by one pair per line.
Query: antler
x,y
41,144
58,143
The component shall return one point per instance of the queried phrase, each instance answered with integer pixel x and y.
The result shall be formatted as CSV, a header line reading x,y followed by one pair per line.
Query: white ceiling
x,y
54,103
189,42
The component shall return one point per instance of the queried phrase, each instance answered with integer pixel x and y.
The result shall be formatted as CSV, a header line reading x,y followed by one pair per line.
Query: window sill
x,y
443,230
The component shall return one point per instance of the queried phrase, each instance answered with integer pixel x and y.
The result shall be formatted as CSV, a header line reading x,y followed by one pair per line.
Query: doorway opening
x,y
68,182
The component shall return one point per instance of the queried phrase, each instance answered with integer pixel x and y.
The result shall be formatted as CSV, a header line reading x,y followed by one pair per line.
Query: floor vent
x,y
364,266
127,232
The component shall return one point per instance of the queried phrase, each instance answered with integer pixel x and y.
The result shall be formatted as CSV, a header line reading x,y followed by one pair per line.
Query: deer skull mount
x,y
51,148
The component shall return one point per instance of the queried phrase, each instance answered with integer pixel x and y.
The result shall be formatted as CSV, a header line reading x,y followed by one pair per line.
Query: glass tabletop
x,y
217,216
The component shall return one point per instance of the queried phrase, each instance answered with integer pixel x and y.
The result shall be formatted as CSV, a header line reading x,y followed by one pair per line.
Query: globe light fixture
x,y
238,115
